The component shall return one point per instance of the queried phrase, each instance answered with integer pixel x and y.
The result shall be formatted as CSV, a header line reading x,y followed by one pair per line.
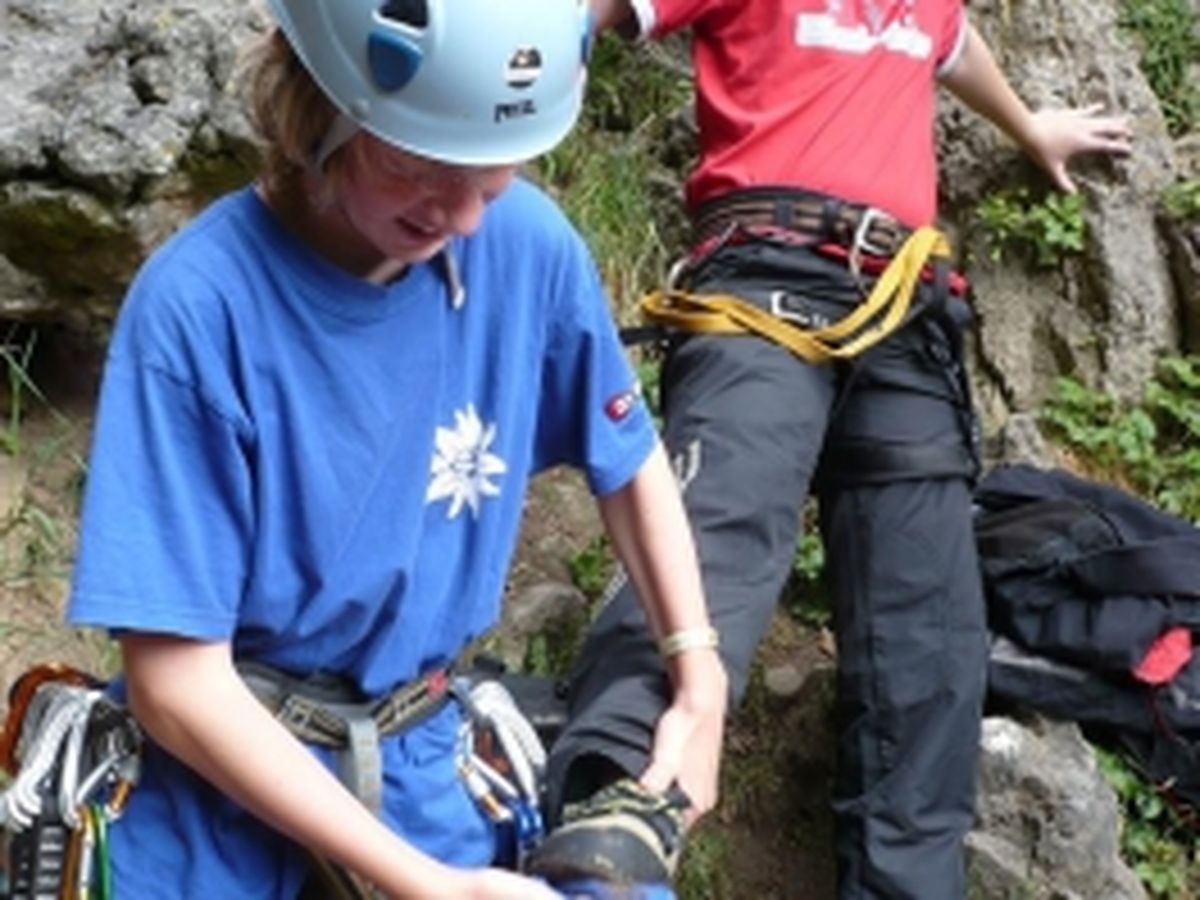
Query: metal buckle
x,y
799,319
677,271
861,243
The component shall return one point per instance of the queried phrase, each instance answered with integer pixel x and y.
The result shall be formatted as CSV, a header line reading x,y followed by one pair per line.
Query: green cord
x,y
103,868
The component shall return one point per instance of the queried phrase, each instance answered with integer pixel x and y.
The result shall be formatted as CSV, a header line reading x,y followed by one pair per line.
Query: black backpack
x,y
1081,580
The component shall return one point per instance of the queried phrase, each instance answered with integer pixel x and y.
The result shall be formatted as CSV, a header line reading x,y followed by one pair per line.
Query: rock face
x,y
116,123
1105,314
1047,820
1183,238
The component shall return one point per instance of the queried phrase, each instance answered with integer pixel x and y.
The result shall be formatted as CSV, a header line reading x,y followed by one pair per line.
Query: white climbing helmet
x,y
471,82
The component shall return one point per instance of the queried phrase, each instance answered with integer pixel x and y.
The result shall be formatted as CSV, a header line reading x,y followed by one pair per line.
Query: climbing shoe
x,y
623,835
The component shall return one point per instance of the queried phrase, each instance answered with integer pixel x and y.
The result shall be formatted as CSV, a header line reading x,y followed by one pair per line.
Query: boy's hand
x,y
687,740
1057,135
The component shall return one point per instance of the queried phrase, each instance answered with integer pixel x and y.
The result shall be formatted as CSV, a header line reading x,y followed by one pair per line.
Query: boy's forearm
x,y
650,533
648,527
191,701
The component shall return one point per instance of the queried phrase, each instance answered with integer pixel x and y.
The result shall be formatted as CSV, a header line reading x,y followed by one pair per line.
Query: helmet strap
x,y
458,293
341,129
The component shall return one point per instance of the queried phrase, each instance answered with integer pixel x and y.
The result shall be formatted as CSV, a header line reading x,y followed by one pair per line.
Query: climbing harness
x,y
499,755
872,246
74,755
809,214
328,711
884,310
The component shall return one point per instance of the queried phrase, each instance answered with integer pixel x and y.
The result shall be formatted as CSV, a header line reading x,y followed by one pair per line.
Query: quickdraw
x,y
502,762
75,756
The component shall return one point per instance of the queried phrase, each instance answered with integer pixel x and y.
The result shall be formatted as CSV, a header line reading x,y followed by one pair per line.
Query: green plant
x,y
705,866
1040,231
808,600
550,654
1169,39
1153,445
1154,840
592,567
15,355
648,365
810,556
805,595
606,173
1182,199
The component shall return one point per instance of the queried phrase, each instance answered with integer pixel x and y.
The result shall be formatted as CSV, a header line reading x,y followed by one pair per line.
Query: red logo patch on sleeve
x,y
619,406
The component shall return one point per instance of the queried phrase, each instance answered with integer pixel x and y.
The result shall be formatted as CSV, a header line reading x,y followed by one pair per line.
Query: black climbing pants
x,y
886,444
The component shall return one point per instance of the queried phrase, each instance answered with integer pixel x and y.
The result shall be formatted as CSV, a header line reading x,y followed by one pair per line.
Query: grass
x,y
1169,42
15,356
610,175
705,867
41,474
1151,446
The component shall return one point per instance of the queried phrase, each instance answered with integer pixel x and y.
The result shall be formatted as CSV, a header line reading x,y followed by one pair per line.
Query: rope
x,y
66,710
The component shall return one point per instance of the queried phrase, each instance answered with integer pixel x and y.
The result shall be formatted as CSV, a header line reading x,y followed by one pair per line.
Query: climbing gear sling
x,y
884,310
502,761
74,755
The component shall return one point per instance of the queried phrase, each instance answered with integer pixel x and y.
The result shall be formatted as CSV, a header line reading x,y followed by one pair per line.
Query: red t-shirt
x,y
836,96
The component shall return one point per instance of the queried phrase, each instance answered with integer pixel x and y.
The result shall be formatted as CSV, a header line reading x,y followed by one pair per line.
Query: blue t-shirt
x,y
330,475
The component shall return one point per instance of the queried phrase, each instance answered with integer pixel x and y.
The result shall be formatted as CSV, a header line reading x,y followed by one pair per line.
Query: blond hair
x,y
289,110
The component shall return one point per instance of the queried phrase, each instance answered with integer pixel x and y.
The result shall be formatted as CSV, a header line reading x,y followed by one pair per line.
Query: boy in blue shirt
x,y
322,404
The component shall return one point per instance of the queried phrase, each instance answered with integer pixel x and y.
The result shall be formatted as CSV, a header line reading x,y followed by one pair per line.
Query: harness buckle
x,y
861,242
799,318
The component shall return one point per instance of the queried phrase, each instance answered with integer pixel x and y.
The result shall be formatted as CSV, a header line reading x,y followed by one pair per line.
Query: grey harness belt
x,y
328,711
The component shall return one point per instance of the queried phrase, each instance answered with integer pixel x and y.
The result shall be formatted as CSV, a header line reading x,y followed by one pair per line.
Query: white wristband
x,y
688,639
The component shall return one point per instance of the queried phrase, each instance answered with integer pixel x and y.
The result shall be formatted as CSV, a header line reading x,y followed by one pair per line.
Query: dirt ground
x,y
38,487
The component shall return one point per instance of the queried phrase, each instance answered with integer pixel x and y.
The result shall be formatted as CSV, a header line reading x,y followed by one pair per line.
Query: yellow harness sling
x,y
880,314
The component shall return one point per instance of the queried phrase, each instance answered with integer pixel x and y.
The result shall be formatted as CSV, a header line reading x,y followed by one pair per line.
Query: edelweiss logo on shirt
x,y
462,464
859,26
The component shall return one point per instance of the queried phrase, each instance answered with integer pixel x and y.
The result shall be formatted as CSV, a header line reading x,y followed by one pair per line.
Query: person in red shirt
x,y
817,163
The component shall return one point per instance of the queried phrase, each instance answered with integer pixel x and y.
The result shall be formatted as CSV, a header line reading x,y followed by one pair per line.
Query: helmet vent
x,y
414,13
